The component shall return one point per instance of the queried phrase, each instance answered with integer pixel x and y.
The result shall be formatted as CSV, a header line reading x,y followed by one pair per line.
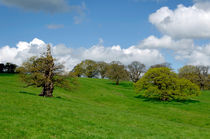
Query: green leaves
x,y
163,84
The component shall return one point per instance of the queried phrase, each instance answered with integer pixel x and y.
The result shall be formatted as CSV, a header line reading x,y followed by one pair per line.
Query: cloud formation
x,y
167,42
184,22
49,6
71,57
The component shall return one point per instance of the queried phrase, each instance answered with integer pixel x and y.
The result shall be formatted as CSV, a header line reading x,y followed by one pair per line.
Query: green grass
x,y
97,109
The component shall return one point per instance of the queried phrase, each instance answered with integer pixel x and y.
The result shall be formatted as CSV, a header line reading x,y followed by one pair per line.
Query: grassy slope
x,y
98,109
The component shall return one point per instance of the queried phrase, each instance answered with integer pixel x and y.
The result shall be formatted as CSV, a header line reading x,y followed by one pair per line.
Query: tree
x,y
1,67
89,68
43,72
196,74
136,69
9,67
163,84
102,68
203,75
117,72
190,72
78,70
168,65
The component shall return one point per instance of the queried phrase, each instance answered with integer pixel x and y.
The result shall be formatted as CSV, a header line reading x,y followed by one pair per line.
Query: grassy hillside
x,y
98,109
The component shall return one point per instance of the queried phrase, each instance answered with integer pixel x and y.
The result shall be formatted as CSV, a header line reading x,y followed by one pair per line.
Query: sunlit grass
x,y
97,109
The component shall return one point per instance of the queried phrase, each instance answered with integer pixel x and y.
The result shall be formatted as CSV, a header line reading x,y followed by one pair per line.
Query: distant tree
x,y
136,69
102,68
203,75
168,65
89,68
117,72
190,72
10,67
196,74
163,84
1,67
78,70
43,72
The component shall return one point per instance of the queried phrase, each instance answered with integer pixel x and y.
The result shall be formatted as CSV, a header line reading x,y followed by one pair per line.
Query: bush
x,y
163,84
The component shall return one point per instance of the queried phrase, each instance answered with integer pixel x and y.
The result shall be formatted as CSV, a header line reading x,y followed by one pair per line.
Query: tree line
x,y
134,71
158,81
7,68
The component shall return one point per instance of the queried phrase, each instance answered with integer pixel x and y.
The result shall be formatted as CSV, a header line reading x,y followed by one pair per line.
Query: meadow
x,y
97,109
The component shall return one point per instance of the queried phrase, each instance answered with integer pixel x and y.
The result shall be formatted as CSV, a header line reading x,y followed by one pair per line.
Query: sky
x,y
148,31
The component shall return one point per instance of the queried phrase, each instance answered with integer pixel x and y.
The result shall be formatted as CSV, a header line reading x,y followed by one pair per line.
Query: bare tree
x,y
136,69
203,75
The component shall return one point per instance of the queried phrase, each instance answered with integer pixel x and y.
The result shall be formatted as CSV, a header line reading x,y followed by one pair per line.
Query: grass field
x,y
97,109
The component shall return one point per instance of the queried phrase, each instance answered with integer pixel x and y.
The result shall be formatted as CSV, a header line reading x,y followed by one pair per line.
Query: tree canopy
x,y
117,72
43,72
136,69
163,84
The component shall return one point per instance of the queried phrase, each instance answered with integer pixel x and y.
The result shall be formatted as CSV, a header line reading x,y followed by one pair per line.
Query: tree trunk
x,y
43,92
117,82
49,90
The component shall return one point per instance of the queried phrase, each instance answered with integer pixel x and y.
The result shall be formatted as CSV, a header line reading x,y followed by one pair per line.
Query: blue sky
x,y
117,22
123,22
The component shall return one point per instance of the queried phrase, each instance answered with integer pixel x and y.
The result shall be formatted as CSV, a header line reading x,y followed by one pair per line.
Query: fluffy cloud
x,y
200,55
184,22
70,57
50,6
167,42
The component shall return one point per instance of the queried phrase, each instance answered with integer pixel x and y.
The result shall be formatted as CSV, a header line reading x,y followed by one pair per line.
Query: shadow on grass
x,y
122,84
57,97
153,100
28,93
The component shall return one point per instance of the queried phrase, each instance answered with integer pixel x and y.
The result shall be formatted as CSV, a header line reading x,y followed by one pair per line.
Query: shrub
x,y
163,84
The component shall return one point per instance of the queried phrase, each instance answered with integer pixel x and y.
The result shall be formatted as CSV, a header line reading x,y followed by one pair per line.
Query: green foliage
x,y
78,70
97,110
87,68
43,72
102,68
117,72
196,74
163,84
90,68
190,72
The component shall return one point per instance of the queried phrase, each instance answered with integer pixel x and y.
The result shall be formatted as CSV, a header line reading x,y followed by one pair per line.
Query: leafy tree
x,y
196,74
161,83
1,67
43,72
78,70
117,72
189,72
89,68
102,68
9,67
136,69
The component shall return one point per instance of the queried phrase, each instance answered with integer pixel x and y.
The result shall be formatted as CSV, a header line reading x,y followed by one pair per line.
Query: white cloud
x,y
200,55
167,42
184,22
71,57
